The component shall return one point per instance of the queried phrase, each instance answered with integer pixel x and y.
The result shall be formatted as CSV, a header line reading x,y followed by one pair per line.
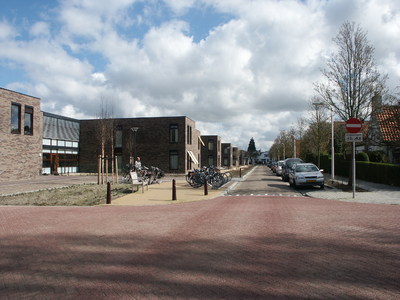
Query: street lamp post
x,y
317,105
135,129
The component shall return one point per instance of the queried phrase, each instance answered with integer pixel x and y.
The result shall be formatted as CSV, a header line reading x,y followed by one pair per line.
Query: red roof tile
x,y
389,122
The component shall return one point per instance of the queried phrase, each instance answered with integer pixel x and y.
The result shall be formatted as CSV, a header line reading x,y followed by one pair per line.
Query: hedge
x,y
369,171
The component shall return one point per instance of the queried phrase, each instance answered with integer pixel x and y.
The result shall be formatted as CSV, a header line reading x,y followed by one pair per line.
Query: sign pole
x,y
354,125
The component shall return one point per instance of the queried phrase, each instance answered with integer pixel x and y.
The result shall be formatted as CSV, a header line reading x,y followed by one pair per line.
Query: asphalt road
x,y
262,181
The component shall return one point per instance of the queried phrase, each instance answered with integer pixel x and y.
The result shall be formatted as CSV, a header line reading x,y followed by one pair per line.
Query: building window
x,y
15,118
210,145
173,133
28,120
225,161
189,134
210,160
173,160
118,137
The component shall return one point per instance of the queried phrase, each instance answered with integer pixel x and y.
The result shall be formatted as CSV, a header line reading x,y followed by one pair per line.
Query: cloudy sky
x,y
239,68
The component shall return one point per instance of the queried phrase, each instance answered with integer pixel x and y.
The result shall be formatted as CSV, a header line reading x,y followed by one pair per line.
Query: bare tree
x,y
104,128
352,77
319,128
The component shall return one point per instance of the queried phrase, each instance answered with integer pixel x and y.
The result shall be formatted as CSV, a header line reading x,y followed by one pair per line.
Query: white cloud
x,y
250,77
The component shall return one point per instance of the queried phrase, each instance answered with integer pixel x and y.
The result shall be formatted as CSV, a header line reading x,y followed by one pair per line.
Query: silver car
x,y
308,174
279,167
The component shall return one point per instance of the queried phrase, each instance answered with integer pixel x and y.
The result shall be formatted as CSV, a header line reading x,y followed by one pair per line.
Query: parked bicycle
x,y
214,177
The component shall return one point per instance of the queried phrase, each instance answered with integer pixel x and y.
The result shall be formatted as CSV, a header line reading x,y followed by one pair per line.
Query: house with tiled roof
x,y
384,129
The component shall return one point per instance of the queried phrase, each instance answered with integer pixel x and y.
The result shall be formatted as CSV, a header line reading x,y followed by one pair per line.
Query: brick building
x,y
21,132
227,155
170,143
211,152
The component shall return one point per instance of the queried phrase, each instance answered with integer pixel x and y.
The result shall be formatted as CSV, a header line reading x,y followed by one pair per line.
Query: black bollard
x,y
173,190
240,172
108,193
205,187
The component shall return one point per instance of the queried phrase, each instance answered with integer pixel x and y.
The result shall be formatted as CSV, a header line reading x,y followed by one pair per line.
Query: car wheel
x,y
290,183
322,186
294,184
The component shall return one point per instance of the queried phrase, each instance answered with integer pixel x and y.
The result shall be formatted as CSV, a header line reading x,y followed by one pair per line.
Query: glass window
x,y
28,120
75,144
173,133
46,142
61,143
118,137
225,161
210,145
210,160
173,160
15,118
68,144
54,142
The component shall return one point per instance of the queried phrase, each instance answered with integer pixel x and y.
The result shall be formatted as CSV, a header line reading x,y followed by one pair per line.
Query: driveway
x,y
229,247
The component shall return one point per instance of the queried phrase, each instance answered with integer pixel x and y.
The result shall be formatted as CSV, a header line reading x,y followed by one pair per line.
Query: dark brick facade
x,y
153,143
227,155
211,155
20,152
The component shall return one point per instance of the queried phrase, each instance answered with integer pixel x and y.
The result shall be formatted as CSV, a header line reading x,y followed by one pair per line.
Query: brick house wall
x,y
20,153
227,155
153,143
215,152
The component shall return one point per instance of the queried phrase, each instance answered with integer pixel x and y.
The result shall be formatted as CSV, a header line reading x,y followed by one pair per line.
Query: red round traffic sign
x,y
353,125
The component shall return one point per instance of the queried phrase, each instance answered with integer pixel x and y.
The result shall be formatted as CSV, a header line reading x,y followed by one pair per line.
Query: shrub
x,y
362,156
378,157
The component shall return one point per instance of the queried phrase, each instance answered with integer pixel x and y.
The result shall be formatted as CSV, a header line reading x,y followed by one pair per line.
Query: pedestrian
x,y
138,165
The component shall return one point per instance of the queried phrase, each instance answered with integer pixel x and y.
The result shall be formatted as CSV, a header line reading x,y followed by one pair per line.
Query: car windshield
x,y
307,168
281,163
289,164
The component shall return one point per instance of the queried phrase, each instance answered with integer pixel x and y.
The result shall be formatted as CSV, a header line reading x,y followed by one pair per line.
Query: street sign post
x,y
354,125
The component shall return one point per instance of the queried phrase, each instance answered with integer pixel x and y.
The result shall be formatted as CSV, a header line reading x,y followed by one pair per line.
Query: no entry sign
x,y
353,125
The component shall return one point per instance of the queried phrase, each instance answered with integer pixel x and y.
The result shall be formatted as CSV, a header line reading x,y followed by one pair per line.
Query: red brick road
x,y
227,248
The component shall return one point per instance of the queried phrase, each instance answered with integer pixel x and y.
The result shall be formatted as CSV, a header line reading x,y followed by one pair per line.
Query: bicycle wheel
x,y
126,178
229,174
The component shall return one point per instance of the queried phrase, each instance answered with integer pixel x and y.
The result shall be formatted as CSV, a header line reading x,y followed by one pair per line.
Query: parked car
x,y
307,174
273,168
279,167
287,166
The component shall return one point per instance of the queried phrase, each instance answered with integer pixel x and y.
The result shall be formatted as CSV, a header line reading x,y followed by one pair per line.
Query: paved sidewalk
x,y
375,193
159,194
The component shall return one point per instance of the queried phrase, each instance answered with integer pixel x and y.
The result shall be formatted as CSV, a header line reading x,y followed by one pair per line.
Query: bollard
x,y
205,187
108,193
173,190
240,172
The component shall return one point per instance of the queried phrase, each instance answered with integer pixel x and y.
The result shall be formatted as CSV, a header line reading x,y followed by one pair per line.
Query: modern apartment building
x,y
21,131
169,143
211,152
60,144
227,155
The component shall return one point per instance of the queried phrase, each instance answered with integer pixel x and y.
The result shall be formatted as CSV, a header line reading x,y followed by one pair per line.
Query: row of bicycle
x,y
210,175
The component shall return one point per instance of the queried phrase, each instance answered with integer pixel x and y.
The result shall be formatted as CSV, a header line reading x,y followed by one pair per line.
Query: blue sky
x,y
239,68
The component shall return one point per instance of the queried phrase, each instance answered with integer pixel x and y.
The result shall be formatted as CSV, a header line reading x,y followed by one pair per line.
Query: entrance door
x,y
54,163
